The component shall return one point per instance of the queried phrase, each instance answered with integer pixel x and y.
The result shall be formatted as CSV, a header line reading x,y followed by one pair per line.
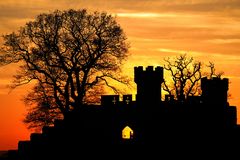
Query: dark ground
x,y
3,155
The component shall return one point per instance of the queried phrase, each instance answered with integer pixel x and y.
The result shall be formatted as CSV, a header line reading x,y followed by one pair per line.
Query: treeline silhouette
x,y
149,122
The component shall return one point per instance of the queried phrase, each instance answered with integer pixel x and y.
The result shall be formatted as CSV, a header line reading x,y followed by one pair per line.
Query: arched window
x,y
127,133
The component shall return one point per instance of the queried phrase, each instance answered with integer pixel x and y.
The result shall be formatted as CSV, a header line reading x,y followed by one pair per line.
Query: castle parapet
x,y
127,99
148,84
109,100
140,74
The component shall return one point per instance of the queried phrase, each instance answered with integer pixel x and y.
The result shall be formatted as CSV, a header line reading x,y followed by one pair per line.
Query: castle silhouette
x,y
148,121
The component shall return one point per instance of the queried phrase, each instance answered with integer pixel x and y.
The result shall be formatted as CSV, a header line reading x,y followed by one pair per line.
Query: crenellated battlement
x,y
215,82
111,100
149,73
148,84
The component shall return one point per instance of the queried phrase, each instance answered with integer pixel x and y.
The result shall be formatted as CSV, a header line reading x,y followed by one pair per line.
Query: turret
x,y
214,91
148,84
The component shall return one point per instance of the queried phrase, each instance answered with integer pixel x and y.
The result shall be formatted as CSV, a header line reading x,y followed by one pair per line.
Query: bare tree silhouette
x,y
213,72
185,76
68,53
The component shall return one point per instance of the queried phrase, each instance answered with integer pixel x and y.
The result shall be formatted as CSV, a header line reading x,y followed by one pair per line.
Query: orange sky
x,y
208,30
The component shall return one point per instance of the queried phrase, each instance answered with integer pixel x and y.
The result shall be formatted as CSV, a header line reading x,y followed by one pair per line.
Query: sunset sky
x,y
208,30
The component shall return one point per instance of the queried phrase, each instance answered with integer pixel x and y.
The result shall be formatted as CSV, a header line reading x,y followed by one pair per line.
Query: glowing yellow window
x,y
127,133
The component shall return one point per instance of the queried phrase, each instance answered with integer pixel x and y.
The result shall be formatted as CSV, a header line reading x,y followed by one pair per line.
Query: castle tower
x,y
214,97
214,91
148,84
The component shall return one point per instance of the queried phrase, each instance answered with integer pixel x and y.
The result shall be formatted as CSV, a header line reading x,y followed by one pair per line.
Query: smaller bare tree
x,y
185,77
213,73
